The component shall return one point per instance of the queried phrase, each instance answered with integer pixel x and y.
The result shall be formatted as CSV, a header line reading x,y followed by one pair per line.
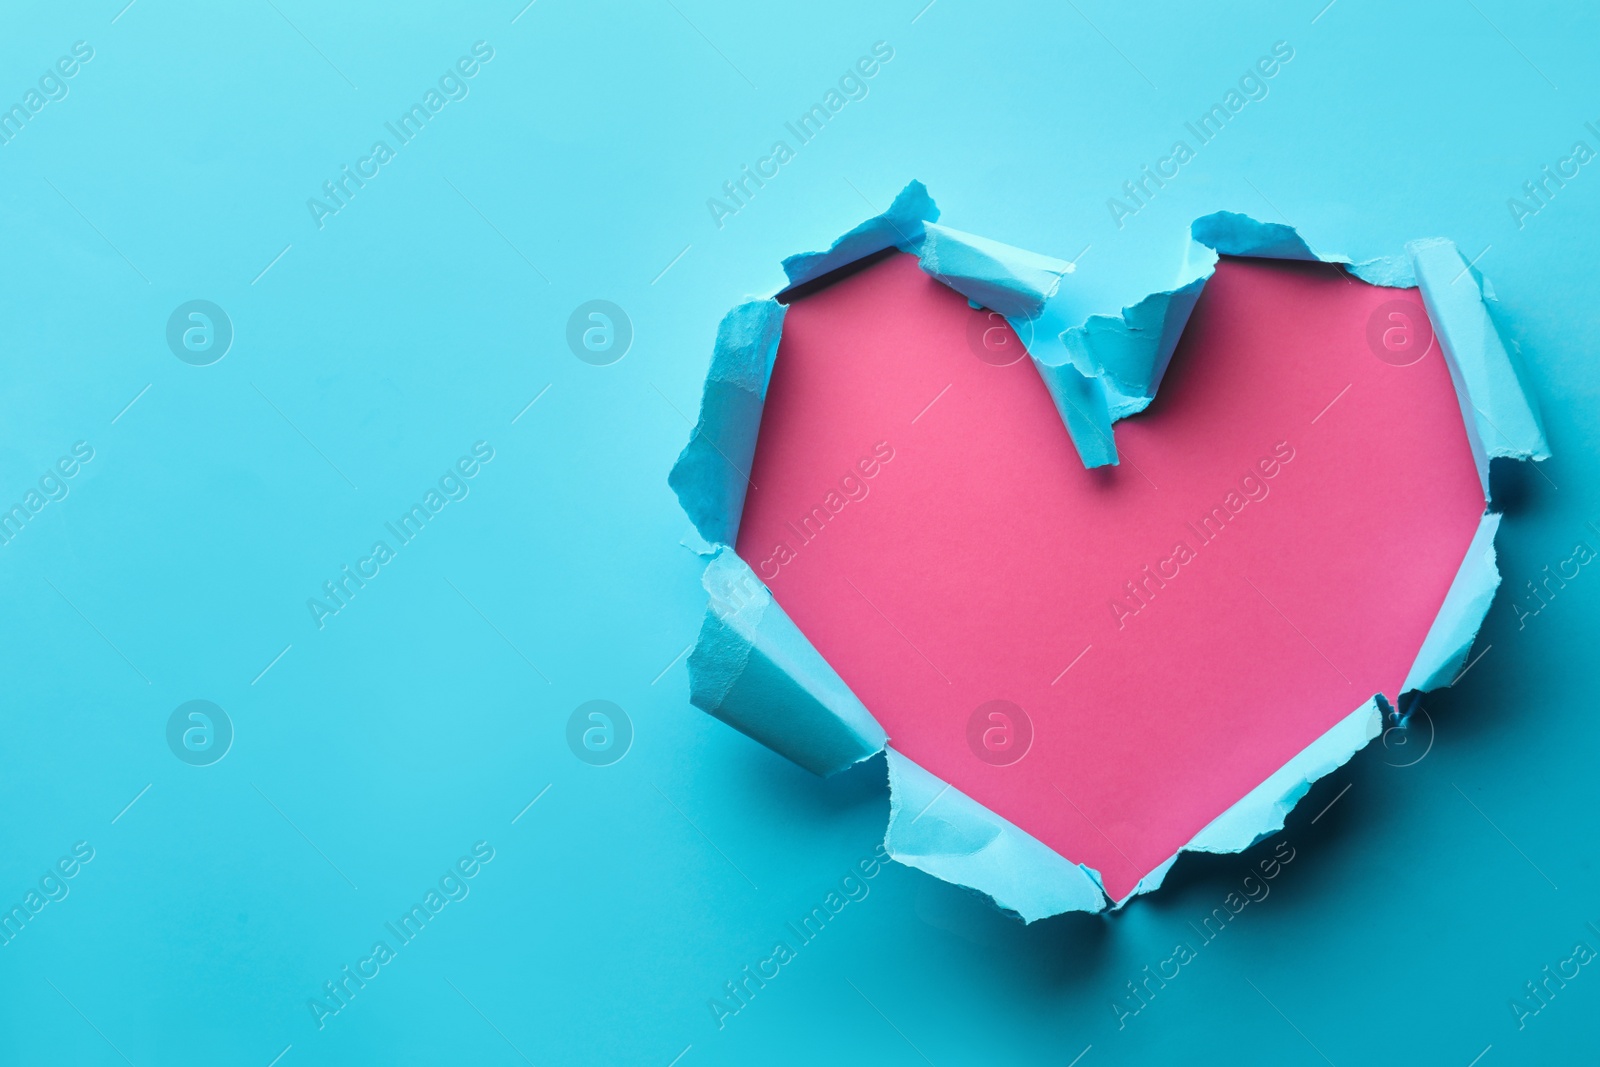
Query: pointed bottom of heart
x,y
938,829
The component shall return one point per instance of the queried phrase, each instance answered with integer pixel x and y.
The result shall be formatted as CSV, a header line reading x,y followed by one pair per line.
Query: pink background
x,y
983,558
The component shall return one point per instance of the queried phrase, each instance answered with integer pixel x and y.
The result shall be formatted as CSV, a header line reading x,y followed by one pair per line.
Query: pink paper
x,y
980,561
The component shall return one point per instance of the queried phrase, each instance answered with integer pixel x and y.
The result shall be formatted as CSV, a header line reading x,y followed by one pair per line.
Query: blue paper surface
x,y
713,472
753,669
369,355
901,226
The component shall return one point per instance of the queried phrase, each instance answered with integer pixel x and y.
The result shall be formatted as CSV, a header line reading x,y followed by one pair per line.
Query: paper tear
x,y
1501,416
1012,281
1231,234
1110,367
697,544
1261,812
713,469
1466,605
752,668
939,829
1103,368
899,227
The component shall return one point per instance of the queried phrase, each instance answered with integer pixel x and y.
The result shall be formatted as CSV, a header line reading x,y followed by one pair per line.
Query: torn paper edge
x,y
1501,417
714,467
1103,368
899,227
1015,282
1465,606
754,669
936,828
1262,811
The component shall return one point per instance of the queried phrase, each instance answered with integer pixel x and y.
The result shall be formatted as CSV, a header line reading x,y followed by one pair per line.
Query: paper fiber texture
x,y
1102,368
1444,652
753,669
713,470
899,227
1501,416
1012,281
937,828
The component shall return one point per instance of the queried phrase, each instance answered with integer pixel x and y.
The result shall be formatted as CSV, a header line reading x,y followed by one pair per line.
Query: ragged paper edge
x,y
1501,416
899,227
1438,664
1262,811
1465,606
754,669
1013,281
1104,368
936,828
714,467
1229,233
713,470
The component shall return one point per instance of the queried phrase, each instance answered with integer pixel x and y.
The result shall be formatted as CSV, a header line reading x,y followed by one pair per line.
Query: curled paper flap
x,y
1450,638
1129,353
939,829
714,467
899,227
1012,281
1082,402
1150,882
1260,813
1111,366
1501,416
1107,367
1231,234
752,668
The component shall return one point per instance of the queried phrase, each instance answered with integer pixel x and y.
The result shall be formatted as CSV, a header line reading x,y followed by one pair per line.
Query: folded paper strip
x,y
899,227
753,668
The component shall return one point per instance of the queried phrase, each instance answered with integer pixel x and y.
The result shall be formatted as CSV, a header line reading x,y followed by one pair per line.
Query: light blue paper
x,y
1103,368
713,469
1261,812
1130,352
1111,366
1450,638
753,669
1232,234
1083,403
939,829
899,227
1025,287
1501,417
1010,280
